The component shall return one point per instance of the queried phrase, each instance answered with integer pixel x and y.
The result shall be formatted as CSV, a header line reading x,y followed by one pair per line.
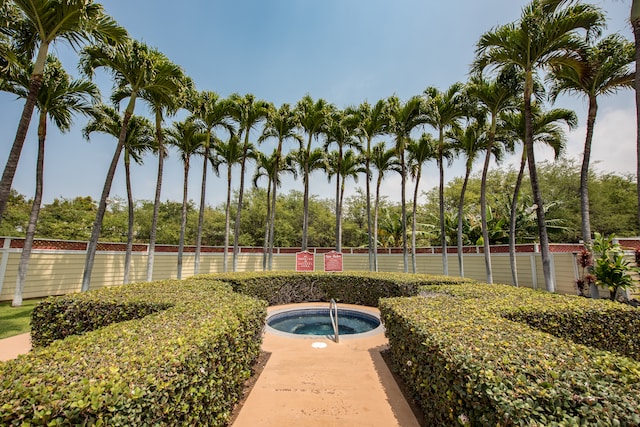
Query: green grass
x,y
15,320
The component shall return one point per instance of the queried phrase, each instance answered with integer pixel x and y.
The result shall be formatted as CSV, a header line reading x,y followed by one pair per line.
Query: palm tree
x,y
403,119
635,24
338,130
188,138
229,153
270,167
371,121
165,97
139,140
43,23
209,112
281,124
469,141
313,117
248,112
545,129
420,152
600,70
383,160
495,96
133,66
545,35
59,98
445,109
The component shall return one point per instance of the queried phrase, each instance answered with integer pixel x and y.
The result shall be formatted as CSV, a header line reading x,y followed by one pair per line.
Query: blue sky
x,y
346,51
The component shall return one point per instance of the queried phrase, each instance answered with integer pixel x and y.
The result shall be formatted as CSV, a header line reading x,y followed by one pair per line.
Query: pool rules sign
x,y
333,261
305,261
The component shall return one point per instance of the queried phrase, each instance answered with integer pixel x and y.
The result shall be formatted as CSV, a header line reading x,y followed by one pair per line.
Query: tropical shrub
x,y
611,269
184,364
470,356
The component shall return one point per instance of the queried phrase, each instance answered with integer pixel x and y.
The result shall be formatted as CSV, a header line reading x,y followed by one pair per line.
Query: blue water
x,y
316,321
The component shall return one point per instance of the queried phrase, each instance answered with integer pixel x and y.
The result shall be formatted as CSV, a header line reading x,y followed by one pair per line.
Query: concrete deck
x,y
341,384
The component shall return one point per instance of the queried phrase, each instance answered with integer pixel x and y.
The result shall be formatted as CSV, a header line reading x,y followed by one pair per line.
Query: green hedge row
x,y
184,365
362,288
469,364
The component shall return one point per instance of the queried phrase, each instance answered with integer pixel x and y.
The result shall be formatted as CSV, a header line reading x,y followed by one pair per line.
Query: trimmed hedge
x,y
468,364
361,288
184,365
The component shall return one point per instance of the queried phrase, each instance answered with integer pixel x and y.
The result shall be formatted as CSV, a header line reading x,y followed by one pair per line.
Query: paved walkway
x,y
344,384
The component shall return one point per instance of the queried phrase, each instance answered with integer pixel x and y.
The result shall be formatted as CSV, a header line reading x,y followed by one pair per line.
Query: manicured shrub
x,y
184,365
469,364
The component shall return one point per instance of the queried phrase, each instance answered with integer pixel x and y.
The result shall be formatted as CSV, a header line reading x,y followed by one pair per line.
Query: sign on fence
x,y
305,261
333,261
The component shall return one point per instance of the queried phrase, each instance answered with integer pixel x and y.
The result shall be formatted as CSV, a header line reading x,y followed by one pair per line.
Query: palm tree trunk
x,y
443,238
339,245
486,244
203,192
376,210
403,202
635,23
584,172
102,205
227,219
127,255
25,256
236,226
305,179
21,134
156,200
512,222
183,222
272,222
460,222
535,189
337,236
414,223
267,227
367,164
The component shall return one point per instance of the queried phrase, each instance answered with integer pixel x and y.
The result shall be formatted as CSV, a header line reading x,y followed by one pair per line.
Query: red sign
x,y
305,261
333,261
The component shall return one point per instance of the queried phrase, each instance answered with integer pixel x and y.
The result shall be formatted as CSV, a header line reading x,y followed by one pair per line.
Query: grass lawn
x,y
15,320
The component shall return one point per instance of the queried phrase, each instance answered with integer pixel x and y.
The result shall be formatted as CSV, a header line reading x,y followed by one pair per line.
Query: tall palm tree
x,y
59,99
495,97
419,152
546,129
165,97
139,140
601,69
384,161
209,112
544,36
445,110
403,119
281,124
271,167
229,153
43,23
468,141
370,122
339,130
133,66
313,117
248,112
635,24
188,138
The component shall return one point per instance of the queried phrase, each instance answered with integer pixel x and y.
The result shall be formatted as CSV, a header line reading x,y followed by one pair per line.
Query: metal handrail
x,y
333,314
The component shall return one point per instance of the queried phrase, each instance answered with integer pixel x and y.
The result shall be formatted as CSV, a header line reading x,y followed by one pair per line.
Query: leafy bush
x,y
469,364
184,365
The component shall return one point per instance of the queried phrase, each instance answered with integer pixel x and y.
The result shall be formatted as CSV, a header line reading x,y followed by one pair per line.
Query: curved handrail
x,y
333,314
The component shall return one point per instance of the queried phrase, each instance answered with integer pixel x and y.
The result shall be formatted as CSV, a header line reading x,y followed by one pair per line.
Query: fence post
x,y
534,271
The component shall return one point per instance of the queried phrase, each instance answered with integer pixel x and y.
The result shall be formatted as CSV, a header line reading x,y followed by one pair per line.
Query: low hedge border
x,y
468,364
184,365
